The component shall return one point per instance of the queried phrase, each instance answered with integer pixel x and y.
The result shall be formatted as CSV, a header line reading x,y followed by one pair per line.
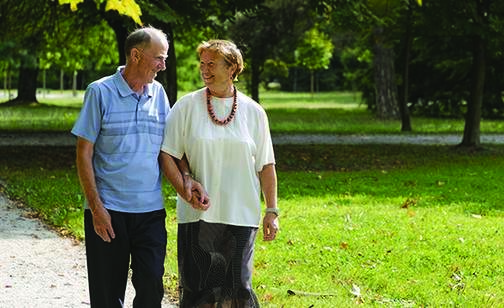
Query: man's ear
x,y
135,54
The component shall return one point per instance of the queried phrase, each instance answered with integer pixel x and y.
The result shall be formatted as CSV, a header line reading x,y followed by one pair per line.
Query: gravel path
x,y
66,139
39,268
445,139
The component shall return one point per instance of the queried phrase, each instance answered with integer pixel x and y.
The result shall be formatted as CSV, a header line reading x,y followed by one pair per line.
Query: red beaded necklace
x,y
211,112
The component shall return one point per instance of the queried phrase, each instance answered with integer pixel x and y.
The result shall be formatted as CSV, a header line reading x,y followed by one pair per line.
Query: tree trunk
x,y
384,76
27,87
471,136
404,94
294,87
120,26
7,81
312,82
256,72
62,80
403,101
74,84
44,90
169,76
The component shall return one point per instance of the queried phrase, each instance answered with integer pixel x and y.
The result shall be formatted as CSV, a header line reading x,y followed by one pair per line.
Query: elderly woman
x,y
225,137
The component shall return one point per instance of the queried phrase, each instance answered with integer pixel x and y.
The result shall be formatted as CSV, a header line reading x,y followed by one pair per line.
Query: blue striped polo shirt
x,y
127,131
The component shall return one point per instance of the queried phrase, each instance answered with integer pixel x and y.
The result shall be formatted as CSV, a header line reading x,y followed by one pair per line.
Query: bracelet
x,y
186,173
273,210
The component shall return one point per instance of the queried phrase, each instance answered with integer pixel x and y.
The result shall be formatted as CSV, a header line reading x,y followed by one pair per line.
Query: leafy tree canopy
x,y
315,51
124,7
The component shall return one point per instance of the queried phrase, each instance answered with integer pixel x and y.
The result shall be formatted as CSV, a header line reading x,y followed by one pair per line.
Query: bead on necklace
x,y
211,111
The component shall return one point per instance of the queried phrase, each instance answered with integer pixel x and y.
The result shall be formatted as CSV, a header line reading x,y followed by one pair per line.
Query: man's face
x,y
152,60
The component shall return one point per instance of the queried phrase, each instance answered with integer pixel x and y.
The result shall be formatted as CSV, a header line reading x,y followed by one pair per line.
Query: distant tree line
x,y
435,58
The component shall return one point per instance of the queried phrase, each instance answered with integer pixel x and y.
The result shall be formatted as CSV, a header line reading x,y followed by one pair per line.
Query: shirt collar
x,y
123,87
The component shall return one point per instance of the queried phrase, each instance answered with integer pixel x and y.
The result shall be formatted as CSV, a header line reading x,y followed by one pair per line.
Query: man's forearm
x,y
86,174
171,172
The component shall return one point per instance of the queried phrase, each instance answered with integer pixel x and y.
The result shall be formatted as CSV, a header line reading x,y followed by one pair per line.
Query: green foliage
x,y
357,70
188,74
48,35
315,51
62,33
260,39
83,49
124,7
274,69
440,59
22,30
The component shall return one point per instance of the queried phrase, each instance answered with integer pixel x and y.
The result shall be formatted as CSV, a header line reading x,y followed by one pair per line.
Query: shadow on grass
x,y
347,158
27,106
402,174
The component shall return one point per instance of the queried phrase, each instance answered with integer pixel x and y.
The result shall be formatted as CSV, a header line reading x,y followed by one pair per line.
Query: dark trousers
x,y
215,265
139,236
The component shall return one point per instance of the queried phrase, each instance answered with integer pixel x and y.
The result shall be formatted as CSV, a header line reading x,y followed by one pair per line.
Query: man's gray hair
x,y
141,38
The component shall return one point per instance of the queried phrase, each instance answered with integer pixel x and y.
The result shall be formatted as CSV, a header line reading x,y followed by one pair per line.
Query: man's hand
x,y
103,224
270,226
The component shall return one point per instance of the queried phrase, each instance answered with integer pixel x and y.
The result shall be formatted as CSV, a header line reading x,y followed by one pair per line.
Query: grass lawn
x,y
299,113
361,225
394,225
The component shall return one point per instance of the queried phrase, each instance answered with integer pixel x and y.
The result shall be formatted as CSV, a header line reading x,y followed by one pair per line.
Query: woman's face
x,y
214,70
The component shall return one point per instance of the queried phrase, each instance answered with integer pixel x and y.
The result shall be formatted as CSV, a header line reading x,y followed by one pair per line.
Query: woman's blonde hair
x,y
228,50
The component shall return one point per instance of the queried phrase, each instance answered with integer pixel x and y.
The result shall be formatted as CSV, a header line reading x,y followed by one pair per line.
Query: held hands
x,y
195,194
200,200
270,226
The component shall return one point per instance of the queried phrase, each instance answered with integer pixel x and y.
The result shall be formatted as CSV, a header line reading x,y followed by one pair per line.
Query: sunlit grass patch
x,y
425,256
289,113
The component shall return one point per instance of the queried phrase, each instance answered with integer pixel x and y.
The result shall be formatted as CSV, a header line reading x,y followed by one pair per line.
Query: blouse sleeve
x,y
265,154
174,133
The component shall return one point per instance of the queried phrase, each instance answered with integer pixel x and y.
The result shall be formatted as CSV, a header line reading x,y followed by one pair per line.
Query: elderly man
x,y
120,131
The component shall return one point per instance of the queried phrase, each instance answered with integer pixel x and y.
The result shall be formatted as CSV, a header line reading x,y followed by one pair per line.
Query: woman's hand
x,y
195,194
200,203
270,226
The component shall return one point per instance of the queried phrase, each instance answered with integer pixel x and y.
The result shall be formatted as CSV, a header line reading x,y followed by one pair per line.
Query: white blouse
x,y
226,160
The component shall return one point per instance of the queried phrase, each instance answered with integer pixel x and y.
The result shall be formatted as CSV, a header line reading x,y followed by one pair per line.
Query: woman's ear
x,y
232,71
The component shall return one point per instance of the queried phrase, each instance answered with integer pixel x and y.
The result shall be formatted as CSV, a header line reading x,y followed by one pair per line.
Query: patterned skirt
x,y
215,263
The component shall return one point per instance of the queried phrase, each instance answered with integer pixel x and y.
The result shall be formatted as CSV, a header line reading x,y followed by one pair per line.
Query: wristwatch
x,y
273,210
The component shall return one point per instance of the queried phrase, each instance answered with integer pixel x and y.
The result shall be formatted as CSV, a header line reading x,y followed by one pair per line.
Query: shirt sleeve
x,y
88,123
265,153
